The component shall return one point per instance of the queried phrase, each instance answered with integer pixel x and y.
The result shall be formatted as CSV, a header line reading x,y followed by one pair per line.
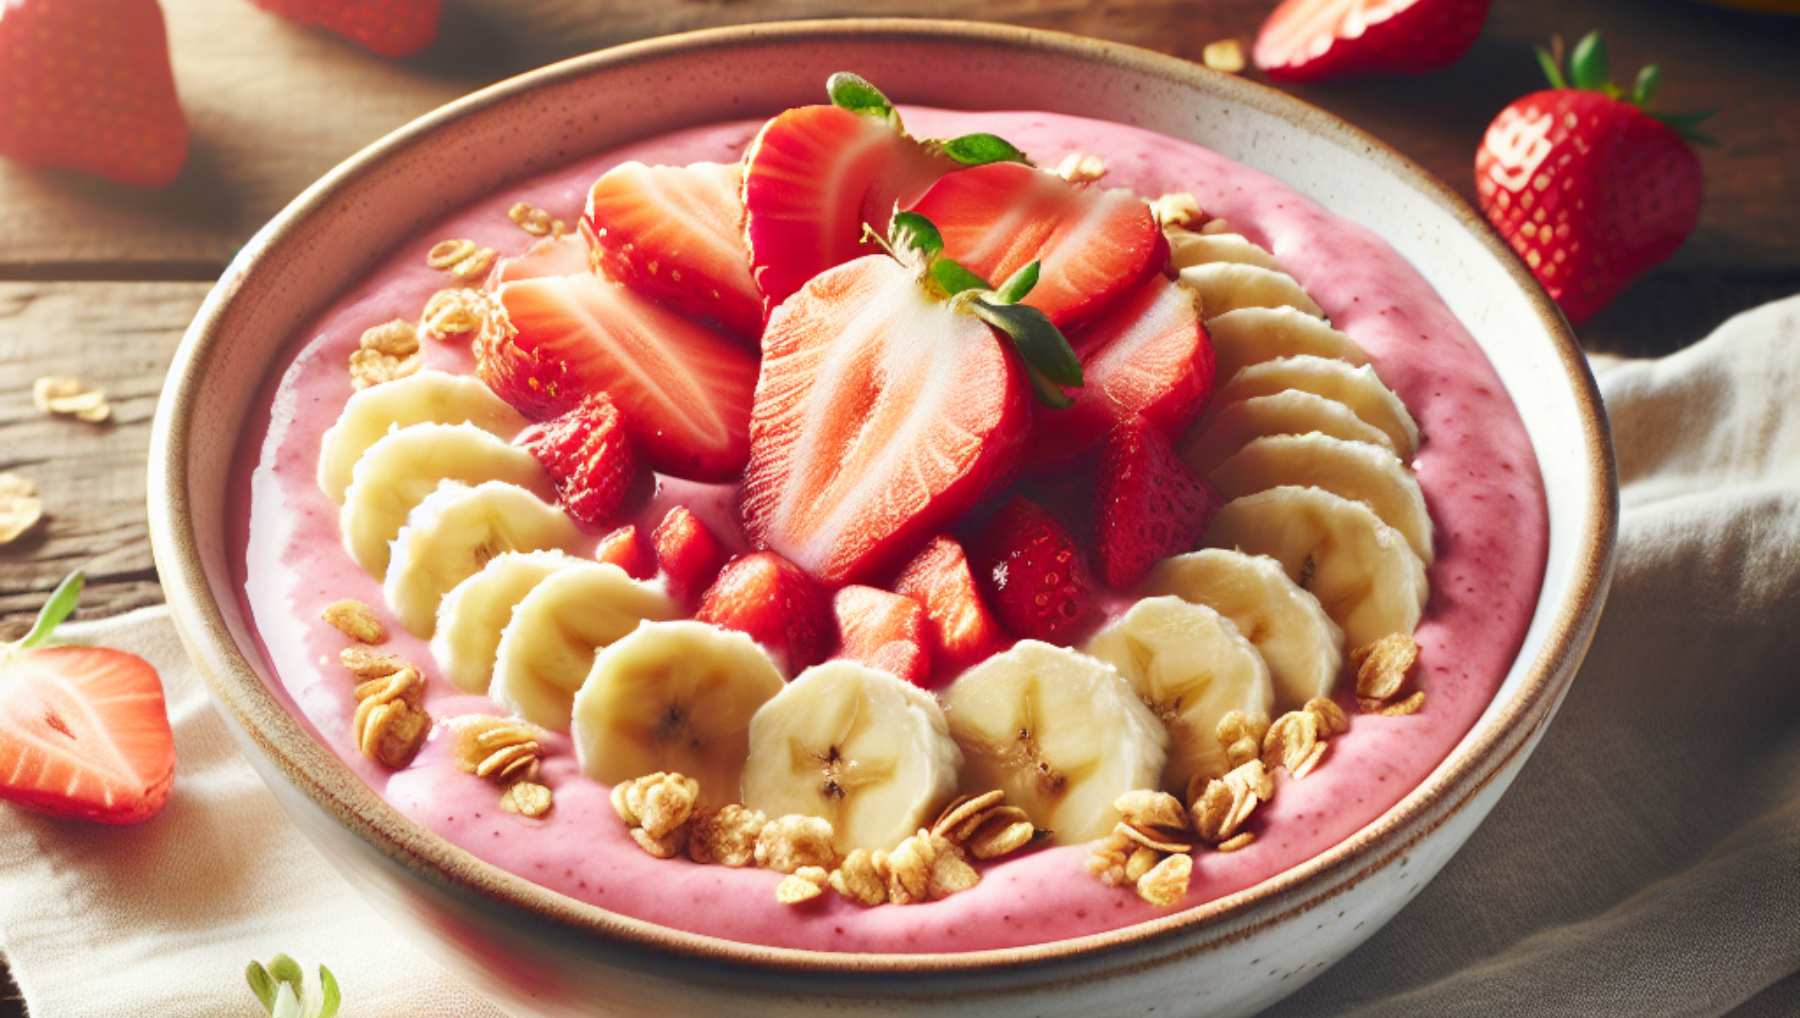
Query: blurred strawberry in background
x,y
1306,40
87,86
391,28
1585,183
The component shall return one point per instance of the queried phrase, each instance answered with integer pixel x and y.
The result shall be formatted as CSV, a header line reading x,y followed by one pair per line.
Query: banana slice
x,y
673,696
456,531
1360,569
1288,412
1188,249
1227,286
402,467
865,750
471,616
425,397
548,649
1355,387
1303,648
1064,734
1253,335
1360,472
1190,666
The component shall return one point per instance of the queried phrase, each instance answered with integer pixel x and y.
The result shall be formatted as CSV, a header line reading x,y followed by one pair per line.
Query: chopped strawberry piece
x,y
960,628
1148,357
391,28
683,388
566,255
676,235
883,630
1305,40
625,548
1094,243
88,87
1034,573
590,457
688,553
774,601
881,415
1150,504
812,177
84,733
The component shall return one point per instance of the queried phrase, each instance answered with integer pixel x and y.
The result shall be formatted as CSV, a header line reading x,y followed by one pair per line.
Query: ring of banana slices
x,y
1318,554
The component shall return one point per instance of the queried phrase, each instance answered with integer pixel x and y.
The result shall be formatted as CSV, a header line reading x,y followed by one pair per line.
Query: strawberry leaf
x,y
1018,284
981,148
330,997
60,606
1552,72
1041,346
1643,91
1588,65
281,989
954,278
261,984
912,231
1048,392
854,93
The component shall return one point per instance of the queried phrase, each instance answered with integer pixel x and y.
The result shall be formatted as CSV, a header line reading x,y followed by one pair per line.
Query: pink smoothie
x,y
1476,467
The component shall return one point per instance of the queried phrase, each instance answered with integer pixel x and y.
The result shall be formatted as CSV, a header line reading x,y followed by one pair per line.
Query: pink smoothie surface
x,y
1476,467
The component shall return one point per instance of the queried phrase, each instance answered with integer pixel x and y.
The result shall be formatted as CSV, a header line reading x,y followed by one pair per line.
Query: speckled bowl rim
x,y
312,769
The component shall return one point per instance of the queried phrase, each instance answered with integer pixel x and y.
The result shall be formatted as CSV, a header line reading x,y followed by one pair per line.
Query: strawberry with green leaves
x,y
1588,185
84,733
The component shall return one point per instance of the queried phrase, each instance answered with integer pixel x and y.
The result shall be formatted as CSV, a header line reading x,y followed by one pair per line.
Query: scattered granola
x,y
666,847
389,723
1081,167
1140,862
802,885
1176,209
792,841
446,253
364,663
385,352
1224,55
1243,839
505,750
20,507
1166,883
1226,803
1109,859
355,620
457,313
726,836
1149,809
536,221
927,867
984,827
1411,705
1293,742
1382,666
68,396
526,798
1331,717
659,803
862,877
1241,736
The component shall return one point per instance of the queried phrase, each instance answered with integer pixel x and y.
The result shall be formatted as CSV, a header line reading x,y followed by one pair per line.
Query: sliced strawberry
x,y
84,733
1305,40
961,630
812,177
684,388
1034,573
392,28
1094,244
566,255
1148,357
688,553
625,548
883,630
1149,505
881,415
774,601
676,235
590,457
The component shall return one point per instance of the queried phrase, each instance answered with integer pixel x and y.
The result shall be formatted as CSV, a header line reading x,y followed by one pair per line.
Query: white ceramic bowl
x,y
543,954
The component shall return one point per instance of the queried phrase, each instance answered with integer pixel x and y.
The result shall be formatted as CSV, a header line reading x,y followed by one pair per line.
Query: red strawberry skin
x,y
87,86
812,177
1149,357
84,733
590,457
676,235
1307,40
881,415
625,548
883,630
1150,505
1094,244
1589,190
1034,573
774,601
687,553
391,28
683,388
547,256
962,632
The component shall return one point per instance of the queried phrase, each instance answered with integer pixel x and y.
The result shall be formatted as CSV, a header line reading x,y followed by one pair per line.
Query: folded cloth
x,y
1647,861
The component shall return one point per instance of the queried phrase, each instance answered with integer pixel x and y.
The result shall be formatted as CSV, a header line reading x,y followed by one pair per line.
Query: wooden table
x,y
99,281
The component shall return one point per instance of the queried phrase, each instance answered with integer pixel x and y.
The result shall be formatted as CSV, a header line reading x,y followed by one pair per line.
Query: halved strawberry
x,y
774,601
684,388
1094,243
1305,40
1149,504
676,234
1033,570
590,457
687,553
961,630
1149,357
625,548
883,630
84,732
566,255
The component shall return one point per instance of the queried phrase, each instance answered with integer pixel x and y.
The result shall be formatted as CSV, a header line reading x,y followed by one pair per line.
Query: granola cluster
x,y
1081,167
502,750
1149,849
457,314
355,620
384,353
462,258
1381,671
68,396
390,723
536,221
1297,740
20,507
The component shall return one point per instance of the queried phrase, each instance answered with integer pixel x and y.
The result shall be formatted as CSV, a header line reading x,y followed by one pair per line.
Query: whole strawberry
x,y
391,28
1587,185
87,86
1307,40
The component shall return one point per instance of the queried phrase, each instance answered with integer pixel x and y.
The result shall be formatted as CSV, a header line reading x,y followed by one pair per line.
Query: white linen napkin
x,y
1647,861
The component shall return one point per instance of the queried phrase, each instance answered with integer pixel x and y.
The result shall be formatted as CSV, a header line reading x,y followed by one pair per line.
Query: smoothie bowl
x,y
681,535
